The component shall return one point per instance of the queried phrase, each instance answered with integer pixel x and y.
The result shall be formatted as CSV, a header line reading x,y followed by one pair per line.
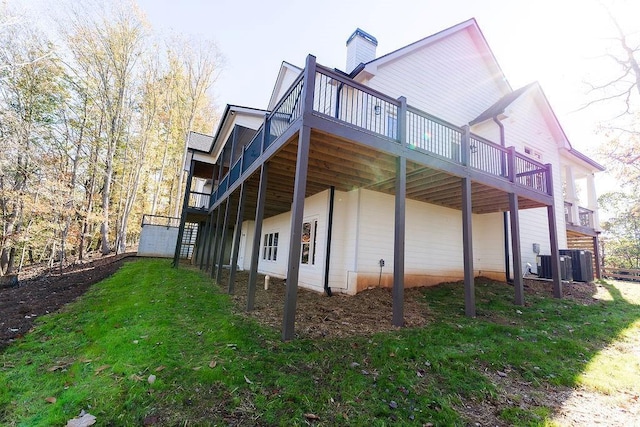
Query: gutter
x,y
505,215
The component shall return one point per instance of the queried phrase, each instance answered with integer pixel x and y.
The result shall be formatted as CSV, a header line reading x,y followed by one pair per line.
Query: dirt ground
x,y
42,291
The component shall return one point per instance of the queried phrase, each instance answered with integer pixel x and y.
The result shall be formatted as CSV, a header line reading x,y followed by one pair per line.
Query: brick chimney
x,y
361,48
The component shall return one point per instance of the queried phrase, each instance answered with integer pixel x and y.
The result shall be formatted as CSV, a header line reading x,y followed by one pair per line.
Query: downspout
x,y
505,215
332,194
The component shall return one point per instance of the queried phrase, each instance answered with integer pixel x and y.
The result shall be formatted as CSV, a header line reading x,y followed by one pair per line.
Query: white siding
x,y
311,276
433,241
526,126
488,245
343,238
287,80
448,79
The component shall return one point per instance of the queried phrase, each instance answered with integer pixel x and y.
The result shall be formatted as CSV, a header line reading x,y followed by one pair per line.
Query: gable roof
x,y
503,103
285,68
199,142
468,25
227,119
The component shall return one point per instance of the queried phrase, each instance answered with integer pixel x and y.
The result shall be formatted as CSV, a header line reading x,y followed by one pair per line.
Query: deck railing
x,y
585,217
530,173
433,135
286,112
568,216
162,220
199,200
339,98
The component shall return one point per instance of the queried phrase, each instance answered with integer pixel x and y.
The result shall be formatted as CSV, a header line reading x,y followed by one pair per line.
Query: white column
x,y
571,196
592,200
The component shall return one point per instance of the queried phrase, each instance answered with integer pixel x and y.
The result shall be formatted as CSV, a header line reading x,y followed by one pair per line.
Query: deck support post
x,y
223,239
207,250
205,242
236,240
553,236
183,216
555,253
214,243
198,243
596,257
257,234
297,216
399,241
297,206
514,219
467,244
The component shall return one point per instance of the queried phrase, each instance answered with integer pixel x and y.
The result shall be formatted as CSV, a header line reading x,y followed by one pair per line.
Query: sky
x,y
559,43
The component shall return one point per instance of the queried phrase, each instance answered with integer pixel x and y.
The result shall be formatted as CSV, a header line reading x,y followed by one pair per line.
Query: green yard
x,y
159,346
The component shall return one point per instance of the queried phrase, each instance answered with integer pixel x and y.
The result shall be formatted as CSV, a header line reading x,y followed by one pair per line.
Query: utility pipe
x,y
505,215
332,195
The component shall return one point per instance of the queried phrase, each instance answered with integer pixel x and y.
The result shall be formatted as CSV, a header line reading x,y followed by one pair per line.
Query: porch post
x,y
571,196
223,239
257,234
399,241
553,237
236,240
592,202
514,216
467,244
297,216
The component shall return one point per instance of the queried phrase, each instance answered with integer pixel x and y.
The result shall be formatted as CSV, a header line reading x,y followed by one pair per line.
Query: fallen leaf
x,y
135,377
393,404
197,368
247,380
160,368
102,368
84,420
501,374
51,400
55,368
213,364
151,379
311,416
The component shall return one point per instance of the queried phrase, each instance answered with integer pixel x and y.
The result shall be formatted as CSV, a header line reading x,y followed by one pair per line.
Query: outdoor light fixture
x,y
377,109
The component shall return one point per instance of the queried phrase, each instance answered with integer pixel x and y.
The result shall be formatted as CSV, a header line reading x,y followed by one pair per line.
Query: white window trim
x,y
313,243
264,246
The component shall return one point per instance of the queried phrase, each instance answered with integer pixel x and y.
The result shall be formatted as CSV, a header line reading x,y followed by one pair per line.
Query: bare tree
x,y
107,47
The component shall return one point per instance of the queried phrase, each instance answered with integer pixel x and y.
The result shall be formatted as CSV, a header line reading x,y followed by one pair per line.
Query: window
x,y
535,155
270,247
309,230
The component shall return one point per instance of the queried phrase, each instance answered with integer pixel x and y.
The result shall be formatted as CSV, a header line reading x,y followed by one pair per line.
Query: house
x,y
408,169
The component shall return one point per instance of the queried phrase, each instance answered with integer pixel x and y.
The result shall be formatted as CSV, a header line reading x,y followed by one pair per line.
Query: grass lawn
x,y
154,345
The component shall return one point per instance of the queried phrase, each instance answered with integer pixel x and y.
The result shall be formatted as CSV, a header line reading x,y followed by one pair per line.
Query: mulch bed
x,y
42,291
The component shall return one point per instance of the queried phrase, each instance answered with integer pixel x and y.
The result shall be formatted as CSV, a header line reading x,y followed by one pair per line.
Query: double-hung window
x,y
309,231
270,247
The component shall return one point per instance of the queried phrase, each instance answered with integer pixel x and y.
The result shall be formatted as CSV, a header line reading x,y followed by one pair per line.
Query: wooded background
x,y
94,112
